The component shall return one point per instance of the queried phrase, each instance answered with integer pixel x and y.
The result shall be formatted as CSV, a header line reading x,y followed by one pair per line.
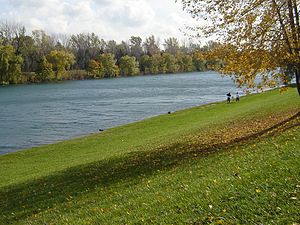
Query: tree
x,y
45,72
111,47
86,47
129,66
259,36
10,32
108,65
150,64
159,64
136,48
122,49
61,40
172,45
151,46
145,63
43,42
28,52
199,60
10,65
170,62
61,61
95,69
184,62
189,47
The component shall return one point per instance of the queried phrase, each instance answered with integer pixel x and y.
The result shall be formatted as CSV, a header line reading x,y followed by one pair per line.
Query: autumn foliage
x,y
258,37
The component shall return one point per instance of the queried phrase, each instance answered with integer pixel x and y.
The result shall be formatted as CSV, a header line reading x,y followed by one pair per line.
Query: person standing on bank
x,y
237,97
228,97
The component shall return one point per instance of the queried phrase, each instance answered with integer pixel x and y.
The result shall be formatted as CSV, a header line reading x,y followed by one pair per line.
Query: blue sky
x,y
110,19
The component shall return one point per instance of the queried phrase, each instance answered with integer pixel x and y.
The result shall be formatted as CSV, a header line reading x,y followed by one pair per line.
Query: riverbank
x,y
225,163
87,106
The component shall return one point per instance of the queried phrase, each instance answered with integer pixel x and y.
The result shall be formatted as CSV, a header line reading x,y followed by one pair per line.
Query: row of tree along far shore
x,y
40,57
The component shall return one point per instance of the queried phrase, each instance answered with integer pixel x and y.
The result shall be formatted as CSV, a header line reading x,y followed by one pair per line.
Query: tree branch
x,y
282,27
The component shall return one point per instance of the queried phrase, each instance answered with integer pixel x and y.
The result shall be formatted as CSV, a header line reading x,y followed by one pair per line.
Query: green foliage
x,y
86,47
170,61
153,64
41,54
158,64
108,66
28,51
77,75
61,61
122,49
10,65
199,61
167,63
45,72
129,66
95,69
184,62
145,63
150,64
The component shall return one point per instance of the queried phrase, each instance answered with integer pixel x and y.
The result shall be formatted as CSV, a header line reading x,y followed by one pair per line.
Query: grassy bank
x,y
218,163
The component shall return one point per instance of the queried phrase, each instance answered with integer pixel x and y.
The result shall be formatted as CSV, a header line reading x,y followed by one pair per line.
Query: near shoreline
x,y
212,145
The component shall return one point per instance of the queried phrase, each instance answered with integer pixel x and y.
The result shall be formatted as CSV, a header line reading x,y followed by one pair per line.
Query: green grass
x,y
182,168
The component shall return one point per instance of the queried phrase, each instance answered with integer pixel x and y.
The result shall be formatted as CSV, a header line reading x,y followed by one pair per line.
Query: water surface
x,y
33,115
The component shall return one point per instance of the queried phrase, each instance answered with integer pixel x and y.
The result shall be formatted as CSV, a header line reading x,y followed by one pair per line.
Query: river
x,y
38,114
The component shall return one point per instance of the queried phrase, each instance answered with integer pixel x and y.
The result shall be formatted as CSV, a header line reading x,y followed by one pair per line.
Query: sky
x,y
109,19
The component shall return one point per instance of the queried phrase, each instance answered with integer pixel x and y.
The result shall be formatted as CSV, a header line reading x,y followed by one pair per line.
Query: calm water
x,y
32,115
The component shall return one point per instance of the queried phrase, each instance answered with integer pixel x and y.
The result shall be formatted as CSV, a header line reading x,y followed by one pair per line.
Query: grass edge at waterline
x,y
49,183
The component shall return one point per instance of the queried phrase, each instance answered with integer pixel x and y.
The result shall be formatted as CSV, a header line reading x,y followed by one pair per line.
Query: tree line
x,y
40,57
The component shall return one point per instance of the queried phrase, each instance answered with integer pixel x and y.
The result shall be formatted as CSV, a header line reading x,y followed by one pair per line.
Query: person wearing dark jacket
x,y
228,97
237,97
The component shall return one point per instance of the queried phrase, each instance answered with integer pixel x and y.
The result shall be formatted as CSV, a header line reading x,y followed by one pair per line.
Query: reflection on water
x,y
32,115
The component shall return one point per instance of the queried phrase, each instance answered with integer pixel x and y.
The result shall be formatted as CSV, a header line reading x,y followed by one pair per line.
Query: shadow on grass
x,y
23,200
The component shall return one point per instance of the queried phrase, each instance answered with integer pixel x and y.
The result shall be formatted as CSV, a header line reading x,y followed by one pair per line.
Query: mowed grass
x,y
201,165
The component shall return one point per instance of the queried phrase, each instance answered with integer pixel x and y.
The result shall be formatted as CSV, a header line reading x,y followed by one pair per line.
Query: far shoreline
x,y
104,78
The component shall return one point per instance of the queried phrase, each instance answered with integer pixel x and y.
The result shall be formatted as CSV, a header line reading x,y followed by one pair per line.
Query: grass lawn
x,y
219,163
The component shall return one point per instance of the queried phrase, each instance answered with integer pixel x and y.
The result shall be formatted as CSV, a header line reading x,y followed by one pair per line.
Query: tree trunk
x,y
297,74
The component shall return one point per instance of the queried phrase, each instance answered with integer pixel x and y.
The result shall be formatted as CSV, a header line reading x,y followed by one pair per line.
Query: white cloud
x,y
110,19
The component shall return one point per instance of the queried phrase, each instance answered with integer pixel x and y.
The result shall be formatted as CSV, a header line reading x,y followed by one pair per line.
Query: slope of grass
x,y
145,135
253,183
201,165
